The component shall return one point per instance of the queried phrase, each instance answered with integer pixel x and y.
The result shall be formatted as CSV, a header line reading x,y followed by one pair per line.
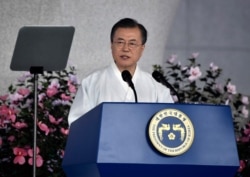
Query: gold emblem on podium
x,y
171,132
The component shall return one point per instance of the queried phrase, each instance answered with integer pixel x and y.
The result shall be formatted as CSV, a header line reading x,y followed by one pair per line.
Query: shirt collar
x,y
118,72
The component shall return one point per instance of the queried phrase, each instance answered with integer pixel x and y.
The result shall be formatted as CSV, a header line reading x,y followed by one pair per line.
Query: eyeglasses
x,y
121,44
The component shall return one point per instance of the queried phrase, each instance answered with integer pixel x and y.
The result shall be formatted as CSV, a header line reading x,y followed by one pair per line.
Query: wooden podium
x,y
112,140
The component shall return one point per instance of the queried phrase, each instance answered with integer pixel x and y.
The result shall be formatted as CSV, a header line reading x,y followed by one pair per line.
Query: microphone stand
x,y
126,76
133,88
160,78
173,90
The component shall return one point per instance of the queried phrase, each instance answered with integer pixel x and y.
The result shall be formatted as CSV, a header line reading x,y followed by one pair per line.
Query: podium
x,y
112,140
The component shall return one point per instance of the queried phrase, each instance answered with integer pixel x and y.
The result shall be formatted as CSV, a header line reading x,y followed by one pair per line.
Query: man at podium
x,y
128,39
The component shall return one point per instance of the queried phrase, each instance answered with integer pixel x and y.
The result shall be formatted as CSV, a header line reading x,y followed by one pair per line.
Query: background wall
x,y
218,30
93,21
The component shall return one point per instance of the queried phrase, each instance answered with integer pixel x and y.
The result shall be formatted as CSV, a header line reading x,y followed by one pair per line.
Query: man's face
x,y
127,48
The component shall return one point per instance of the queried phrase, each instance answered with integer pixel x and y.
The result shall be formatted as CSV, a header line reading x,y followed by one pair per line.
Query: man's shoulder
x,y
97,74
145,74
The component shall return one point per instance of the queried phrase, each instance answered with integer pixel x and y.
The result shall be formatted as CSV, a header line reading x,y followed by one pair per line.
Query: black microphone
x,y
160,78
126,76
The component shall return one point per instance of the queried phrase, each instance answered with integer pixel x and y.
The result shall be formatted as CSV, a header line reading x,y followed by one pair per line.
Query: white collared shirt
x,y
107,85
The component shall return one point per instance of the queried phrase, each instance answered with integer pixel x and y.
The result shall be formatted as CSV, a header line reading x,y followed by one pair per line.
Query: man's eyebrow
x,y
121,39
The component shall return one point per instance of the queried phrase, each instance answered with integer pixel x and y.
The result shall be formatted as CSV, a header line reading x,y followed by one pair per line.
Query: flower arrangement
x,y
193,86
56,91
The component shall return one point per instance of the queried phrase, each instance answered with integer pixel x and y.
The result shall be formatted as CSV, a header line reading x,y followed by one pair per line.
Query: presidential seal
x,y
171,132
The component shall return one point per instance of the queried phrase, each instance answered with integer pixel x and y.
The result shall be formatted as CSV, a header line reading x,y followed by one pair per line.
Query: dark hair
x,y
129,23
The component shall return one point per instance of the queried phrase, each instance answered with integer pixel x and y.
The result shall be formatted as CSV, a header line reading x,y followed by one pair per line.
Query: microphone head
x,y
157,76
126,76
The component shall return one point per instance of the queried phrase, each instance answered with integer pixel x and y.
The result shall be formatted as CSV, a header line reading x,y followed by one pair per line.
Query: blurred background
x,y
217,29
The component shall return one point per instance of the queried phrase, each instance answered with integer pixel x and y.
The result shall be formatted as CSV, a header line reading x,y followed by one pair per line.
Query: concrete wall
x,y
93,21
217,29
220,31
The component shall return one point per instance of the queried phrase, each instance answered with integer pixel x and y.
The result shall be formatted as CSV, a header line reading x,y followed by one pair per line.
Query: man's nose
x,y
125,46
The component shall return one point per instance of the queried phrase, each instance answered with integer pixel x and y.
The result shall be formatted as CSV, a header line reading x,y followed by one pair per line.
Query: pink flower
x,y
20,125
41,96
20,154
53,88
23,91
172,59
30,151
195,54
184,68
39,159
195,73
245,111
43,127
4,110
245,139
15,97
179,63
244,100
231,88
41,105
64,131
51,91
53,120
8,113
65,97
24,76
175,98
52,130
61,153
247,131
242,165
4,97
72,88
11,138
73,79
28,103
219,88
58,102
213,67
54,83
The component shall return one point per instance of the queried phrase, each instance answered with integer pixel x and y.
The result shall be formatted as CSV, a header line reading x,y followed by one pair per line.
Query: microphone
x,y
160,78
126,76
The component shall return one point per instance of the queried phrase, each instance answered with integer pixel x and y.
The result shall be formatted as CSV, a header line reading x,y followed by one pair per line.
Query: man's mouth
x,y
124,57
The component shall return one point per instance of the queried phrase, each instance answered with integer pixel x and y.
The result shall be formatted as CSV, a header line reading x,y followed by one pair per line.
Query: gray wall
x,y
220,31
93,20
217,29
